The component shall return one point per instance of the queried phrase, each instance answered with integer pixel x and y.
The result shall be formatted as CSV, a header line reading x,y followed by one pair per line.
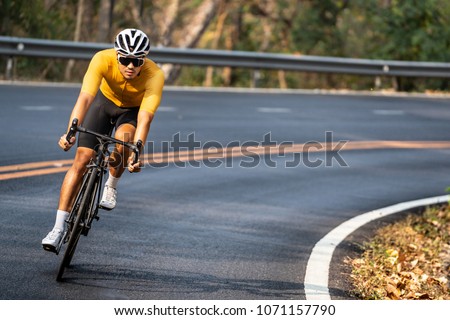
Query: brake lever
x,y
72,130
137,151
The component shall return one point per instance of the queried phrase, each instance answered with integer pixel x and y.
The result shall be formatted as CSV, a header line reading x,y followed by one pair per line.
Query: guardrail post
x,y
9,68
377,82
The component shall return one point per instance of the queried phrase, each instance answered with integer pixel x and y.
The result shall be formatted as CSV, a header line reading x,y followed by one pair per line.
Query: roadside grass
x,y
409,259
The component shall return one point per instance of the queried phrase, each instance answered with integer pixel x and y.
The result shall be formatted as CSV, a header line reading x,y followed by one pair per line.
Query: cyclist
x,y
122,88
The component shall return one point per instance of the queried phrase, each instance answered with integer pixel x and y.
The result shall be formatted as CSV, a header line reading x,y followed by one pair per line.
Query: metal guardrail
x,y
12,46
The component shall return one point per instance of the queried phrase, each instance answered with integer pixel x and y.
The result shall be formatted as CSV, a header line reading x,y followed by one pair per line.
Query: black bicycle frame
x,y
86,205
100,165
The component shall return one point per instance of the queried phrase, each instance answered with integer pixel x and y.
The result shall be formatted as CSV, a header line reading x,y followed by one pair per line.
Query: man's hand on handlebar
x,y
68,140
134,167
134,161
64,144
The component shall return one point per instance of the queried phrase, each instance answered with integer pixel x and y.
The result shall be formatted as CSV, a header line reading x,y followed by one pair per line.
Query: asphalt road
x,y
240,227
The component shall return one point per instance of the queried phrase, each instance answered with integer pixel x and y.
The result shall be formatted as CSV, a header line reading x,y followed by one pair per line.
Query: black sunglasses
x,y
137,62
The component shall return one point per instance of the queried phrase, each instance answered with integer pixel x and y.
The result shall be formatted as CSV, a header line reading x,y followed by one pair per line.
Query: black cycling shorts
x,y
102,117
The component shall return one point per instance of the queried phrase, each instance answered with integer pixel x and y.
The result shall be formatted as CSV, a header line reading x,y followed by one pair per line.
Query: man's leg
x,y
117,165
120,154
73,178
69,189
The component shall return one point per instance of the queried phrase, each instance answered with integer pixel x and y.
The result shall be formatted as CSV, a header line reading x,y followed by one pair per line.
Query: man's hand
x,y
64,144
134,167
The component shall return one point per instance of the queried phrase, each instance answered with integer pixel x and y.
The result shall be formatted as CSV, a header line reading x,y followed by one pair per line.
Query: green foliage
x,y
415,30
38,19
315,30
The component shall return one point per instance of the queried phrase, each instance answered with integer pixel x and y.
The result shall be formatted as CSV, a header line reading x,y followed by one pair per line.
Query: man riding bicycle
x,y
130,92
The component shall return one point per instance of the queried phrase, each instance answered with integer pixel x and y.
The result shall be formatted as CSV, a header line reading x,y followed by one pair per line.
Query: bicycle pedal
x,y
53,249
104,208
50,248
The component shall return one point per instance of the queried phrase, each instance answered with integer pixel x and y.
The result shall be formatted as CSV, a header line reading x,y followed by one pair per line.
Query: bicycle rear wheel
x,y
84,197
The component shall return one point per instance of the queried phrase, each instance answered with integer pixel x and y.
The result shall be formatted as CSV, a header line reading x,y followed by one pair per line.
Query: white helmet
x,y
132,42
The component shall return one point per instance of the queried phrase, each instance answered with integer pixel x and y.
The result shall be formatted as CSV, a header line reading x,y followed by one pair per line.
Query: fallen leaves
x,y
406,260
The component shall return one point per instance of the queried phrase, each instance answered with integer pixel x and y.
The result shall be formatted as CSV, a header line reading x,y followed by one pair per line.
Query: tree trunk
x,y
268,9
105,20
142,20
136,11
87,22
194,31
167,26
71,63
282,79
217,34
198,25
231,38
227,71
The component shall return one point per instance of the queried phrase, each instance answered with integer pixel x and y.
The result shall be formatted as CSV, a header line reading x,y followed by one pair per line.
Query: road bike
x,y
87,202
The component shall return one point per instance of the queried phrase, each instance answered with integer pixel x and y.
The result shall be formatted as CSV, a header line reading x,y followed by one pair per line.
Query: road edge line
x,y
318,266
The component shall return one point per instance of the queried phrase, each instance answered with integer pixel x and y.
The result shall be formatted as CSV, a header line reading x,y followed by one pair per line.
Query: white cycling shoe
x,y
109,198
53,239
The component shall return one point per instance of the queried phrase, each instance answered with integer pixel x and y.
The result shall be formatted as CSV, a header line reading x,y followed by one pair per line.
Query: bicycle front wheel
x,y
80,220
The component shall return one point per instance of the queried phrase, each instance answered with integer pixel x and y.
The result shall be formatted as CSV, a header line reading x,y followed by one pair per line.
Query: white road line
x,y
274,110
167,109
317,269
381,112
37,108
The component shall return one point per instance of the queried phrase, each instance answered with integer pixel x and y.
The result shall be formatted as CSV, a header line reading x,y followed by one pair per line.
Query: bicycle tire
x,y
77,227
